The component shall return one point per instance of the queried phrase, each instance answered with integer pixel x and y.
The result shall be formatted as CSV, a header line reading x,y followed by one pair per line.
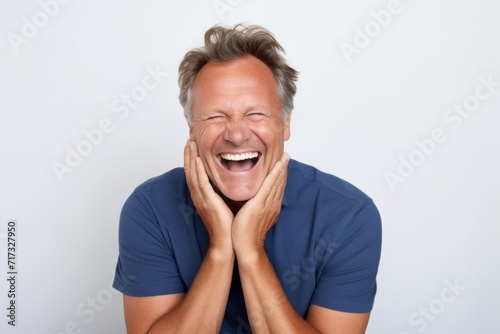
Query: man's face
x,y
238,125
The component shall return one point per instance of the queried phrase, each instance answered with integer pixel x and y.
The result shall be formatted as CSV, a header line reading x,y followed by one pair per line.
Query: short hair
x,y
226,44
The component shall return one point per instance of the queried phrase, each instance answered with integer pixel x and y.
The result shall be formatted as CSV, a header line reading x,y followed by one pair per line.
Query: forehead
x,y
245,74
245,65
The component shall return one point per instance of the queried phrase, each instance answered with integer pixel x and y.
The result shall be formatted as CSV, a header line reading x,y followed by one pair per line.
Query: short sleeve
x,y
146,263
348,281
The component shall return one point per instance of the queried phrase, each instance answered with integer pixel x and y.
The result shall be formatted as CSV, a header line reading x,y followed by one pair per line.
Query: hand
x,y
260,213
215,214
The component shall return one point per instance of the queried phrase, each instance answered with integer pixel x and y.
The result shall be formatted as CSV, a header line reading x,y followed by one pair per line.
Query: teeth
x,y
239,157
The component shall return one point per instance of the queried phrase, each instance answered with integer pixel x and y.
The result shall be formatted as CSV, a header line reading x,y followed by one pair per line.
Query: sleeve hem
x,y
345,306
147,292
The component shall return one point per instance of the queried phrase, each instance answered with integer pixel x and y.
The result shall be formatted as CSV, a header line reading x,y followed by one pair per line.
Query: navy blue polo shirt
x,y
325,246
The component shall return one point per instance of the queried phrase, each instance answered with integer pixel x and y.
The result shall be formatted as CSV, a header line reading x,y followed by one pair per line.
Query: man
x,y
243,239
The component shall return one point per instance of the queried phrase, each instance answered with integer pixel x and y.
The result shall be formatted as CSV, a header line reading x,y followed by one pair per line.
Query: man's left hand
x,y
260,213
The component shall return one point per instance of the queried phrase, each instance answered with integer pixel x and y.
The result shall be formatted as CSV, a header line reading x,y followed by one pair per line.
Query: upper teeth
x,y
239,157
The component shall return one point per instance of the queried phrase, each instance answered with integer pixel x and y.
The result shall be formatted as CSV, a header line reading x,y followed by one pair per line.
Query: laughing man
x,y
243,239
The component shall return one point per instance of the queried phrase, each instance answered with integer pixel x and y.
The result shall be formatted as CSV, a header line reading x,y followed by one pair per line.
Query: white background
x,y
356,116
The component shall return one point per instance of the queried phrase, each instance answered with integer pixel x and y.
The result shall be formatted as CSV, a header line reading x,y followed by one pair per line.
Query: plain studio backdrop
x,y
401,98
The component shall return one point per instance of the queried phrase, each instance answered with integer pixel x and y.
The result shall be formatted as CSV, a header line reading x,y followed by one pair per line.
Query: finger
x,y
200,175
186,157
203,181
192,155
280,183
285,159
274,182
197,166
190,167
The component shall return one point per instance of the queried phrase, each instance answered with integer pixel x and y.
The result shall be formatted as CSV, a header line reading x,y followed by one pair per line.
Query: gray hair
x,y
226,44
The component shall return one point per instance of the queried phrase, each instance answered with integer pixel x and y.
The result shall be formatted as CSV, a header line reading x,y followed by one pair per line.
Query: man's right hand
x,y
200,309
215,214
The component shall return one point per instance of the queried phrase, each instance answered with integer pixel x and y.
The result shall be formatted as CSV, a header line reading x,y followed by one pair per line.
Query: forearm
x,y
268,308
202,308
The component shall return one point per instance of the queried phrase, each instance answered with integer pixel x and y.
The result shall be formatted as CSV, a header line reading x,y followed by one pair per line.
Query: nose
x,y
237,132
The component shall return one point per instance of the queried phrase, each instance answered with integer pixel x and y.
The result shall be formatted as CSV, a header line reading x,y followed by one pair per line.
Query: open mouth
x,y
239,162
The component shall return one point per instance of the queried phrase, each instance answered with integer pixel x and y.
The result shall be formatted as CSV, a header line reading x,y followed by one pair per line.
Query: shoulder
x,y
173,179
161,196
305,179
332,206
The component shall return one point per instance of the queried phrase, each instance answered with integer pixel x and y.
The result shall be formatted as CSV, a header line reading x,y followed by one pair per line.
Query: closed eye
x,y
215,118
256,116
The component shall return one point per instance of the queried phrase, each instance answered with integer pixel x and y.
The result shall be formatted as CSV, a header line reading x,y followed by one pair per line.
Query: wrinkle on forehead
x,y
239,81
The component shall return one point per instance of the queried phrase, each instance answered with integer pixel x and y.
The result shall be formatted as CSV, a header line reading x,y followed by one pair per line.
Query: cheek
x,y
270,132
206,136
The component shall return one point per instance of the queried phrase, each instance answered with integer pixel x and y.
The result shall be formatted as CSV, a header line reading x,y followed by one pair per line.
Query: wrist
x,y
220,254
250,256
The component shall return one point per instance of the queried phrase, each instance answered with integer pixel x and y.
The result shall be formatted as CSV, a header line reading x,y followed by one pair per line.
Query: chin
x,y
239,195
